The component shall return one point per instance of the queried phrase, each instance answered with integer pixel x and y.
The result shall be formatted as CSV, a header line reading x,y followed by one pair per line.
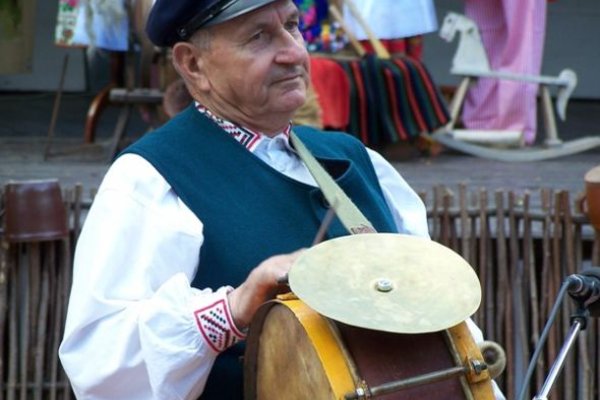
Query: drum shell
x,y
294,353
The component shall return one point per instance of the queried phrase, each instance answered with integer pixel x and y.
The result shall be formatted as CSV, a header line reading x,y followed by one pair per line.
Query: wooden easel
x,y
130,88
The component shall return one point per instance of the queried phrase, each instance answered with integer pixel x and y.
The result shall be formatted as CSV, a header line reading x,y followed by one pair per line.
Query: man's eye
x,y
256,36
292,25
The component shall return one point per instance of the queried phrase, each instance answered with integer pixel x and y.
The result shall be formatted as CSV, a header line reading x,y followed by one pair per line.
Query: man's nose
x,y
292,50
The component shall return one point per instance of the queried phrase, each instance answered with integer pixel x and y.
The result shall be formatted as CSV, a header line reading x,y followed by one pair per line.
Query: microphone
x,y
585,288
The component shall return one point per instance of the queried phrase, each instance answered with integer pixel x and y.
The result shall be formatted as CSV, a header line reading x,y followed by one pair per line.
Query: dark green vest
x,y
249,210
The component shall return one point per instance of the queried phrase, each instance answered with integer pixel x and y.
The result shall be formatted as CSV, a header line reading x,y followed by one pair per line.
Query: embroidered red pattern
x,y
246,137
216,326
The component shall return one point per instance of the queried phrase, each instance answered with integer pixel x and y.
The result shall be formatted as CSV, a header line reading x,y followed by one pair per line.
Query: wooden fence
x,y
522,255
35,279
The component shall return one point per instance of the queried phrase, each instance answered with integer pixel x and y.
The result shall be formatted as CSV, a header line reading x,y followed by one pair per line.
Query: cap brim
x,y
237,9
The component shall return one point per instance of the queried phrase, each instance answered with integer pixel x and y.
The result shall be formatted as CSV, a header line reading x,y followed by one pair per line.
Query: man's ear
x,y
189,63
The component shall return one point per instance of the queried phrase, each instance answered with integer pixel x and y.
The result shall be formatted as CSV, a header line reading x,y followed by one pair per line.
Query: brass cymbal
x,y
387,282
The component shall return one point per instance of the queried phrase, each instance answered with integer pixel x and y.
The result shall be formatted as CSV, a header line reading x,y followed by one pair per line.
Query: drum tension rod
x,y
363,392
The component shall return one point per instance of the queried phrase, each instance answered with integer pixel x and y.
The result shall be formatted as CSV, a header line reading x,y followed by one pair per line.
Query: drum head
x,y
387,282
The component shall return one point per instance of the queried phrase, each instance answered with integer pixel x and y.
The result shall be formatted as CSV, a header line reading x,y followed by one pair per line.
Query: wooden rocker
x,y
470,61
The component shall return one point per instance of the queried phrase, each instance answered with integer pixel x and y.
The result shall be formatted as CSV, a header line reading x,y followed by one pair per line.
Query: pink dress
x,y
513,34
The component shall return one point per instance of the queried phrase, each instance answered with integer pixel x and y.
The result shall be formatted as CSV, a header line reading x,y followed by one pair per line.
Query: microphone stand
x,y
578,324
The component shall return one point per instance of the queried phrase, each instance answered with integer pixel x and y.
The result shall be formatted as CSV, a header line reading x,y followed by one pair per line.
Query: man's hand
x,y
263,283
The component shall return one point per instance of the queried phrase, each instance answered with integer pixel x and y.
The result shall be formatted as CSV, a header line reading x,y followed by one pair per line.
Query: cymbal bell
x,y
387,282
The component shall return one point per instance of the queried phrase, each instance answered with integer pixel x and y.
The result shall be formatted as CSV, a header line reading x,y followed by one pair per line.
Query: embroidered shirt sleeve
x,y
215,323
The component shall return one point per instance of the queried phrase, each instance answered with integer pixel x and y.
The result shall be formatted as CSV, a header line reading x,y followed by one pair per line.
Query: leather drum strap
x,y
350,216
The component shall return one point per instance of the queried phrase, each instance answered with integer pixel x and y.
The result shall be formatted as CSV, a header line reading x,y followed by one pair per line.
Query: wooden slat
x,y
497,305
545,276
485,248
4,293
474,231
13,332
556,273
465,227
514,301
435,210
41,322
56,322
529,266
503,288
569,373
446,222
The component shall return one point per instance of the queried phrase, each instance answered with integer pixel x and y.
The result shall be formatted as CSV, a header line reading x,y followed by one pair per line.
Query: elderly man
x,y
195,223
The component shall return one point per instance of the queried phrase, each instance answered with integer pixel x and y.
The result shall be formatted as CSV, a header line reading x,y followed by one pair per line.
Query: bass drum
x,y
294,353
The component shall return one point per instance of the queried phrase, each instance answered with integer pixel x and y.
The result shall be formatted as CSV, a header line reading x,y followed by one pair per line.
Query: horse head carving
x,y
470,54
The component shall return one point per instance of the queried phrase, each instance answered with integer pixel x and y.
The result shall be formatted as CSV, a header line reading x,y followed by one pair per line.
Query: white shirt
x,y
393,19
130,331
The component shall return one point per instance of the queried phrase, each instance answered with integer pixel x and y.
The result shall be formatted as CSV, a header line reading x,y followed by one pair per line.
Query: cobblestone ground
x,y
25,118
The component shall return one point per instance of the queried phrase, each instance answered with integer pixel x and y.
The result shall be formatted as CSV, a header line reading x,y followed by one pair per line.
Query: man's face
x,y
257,64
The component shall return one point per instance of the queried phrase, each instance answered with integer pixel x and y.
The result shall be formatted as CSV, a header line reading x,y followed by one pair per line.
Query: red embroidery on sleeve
x,y
216,326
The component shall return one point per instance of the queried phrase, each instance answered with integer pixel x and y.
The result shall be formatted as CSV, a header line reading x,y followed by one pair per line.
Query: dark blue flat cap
x,y
171,21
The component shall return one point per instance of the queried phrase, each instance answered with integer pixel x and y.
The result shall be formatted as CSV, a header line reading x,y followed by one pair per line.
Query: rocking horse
x,y
470,61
